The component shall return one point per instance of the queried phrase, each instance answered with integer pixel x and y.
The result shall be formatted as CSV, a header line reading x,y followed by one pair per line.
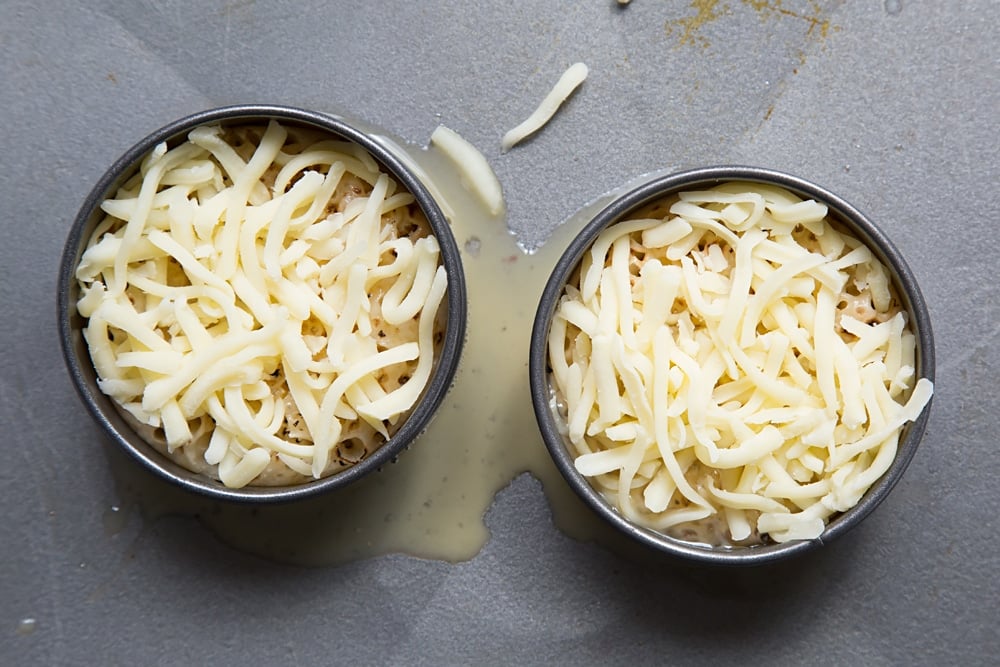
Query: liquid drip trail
x,y
431,503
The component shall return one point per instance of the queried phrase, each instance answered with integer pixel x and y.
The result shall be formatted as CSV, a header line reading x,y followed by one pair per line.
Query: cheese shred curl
x,y
570,80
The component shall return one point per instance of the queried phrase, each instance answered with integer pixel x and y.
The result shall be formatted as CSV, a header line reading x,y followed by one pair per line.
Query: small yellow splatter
x,y
815,18
688,28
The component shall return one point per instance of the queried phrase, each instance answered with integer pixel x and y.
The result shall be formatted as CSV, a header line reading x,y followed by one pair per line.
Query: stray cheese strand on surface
x,y
477,175
749,371
264,301
568,82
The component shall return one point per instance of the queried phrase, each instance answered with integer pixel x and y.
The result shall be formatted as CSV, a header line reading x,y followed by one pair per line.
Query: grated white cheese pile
x,y
731,366
264,300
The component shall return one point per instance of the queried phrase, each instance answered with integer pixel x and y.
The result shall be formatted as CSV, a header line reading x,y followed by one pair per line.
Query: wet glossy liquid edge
x,y
432,502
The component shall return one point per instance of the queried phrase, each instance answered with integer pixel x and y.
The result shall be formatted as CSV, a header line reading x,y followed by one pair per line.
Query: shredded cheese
x,y
733,367
264,301
567,83
477,175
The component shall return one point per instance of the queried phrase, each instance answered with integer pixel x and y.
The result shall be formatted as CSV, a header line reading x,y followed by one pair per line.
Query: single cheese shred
x,y
732,367
263,302
477,175
567,83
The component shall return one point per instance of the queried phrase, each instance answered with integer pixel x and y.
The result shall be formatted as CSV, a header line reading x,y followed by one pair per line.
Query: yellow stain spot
x,y
687,30
818,24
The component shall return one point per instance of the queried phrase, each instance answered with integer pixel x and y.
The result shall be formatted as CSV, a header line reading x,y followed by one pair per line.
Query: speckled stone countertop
x,y
892,104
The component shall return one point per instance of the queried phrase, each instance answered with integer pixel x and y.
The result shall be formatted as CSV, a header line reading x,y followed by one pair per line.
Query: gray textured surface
x,y
893,105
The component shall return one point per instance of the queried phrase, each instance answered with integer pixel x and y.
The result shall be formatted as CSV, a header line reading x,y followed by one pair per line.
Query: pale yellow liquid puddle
x,y
432,502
